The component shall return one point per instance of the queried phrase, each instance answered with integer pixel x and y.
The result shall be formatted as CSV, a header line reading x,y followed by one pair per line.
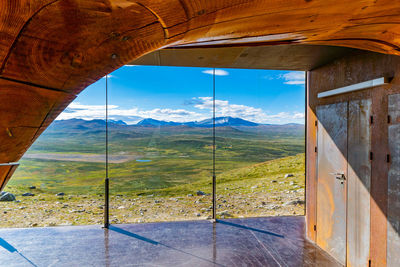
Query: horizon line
x,y
112,120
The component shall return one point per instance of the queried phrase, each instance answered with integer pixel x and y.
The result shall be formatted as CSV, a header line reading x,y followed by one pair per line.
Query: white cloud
x,y
298,115
285,117
268,77
177,115
130,116
224,108
294,77
204,106
218,72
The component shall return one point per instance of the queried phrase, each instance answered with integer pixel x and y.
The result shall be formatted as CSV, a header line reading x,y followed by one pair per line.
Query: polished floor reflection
x,y
271,241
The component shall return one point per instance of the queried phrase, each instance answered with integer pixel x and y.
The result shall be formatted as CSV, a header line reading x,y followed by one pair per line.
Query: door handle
x,y
339,176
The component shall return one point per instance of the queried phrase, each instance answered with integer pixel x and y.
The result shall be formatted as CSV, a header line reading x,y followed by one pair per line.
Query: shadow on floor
x,y
249,228
12,249
230,242
145,239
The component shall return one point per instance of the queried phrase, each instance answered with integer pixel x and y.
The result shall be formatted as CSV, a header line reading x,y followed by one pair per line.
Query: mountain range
x,y
222,122
219,122
94,130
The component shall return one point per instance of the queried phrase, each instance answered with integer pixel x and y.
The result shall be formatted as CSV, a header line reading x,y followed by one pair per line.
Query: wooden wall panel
x,y
6,171
322,22
13,16
67,46
70,43
24,110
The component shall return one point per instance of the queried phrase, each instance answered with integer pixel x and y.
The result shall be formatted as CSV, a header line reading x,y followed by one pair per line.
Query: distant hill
x,y
74,125
222,121
153,122
119,122
226,126
219,122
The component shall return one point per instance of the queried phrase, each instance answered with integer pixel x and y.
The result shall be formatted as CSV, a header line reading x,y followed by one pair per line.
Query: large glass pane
x,y
60,178
260,143
160,136
160,144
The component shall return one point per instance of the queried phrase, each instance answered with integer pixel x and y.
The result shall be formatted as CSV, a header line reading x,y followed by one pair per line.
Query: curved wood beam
x,y
50,50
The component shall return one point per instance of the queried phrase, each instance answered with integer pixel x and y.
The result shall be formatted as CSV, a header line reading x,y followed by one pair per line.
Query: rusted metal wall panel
x,y
311,169
393,213
379,175
354,68
358,183
331,192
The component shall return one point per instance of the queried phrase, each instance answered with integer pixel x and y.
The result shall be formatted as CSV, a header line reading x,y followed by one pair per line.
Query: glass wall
x,y
160,133
260,144
160,156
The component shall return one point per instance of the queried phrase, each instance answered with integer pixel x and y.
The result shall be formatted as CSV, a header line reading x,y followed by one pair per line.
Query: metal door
x,y
332,184
358,183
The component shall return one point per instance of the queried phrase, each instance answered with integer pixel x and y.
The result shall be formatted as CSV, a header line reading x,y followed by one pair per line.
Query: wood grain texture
x,y
26,110
14,15
277,57
5,174
69,44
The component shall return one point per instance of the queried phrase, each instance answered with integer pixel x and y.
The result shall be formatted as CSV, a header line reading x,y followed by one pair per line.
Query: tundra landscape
x,y
159,171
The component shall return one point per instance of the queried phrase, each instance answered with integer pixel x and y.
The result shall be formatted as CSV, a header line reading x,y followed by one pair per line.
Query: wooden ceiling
x,y
273,57
50,50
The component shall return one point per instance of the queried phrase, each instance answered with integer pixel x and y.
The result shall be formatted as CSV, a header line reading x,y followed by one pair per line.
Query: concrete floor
x,y
271,241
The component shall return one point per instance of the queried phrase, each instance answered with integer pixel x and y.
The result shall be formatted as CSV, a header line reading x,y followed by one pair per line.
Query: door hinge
x,y
371,119
388,158
371,156
389,119
369,263
316,123
315,149
315,227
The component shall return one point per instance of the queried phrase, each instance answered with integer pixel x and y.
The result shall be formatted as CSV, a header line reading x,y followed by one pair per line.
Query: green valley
x,y
161,162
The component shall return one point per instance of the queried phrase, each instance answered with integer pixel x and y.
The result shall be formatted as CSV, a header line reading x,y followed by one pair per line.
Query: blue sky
x,y
185,94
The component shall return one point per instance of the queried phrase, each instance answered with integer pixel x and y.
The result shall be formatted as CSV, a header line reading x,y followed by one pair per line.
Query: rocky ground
x,y
265,189
51,210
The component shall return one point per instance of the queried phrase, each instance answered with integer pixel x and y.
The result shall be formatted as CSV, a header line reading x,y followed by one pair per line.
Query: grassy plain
x,y
250,166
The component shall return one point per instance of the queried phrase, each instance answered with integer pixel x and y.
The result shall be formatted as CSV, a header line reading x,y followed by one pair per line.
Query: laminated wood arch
x,y
50,50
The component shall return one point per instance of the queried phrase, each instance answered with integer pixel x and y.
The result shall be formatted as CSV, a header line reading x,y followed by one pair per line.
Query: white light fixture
x,y
355,87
